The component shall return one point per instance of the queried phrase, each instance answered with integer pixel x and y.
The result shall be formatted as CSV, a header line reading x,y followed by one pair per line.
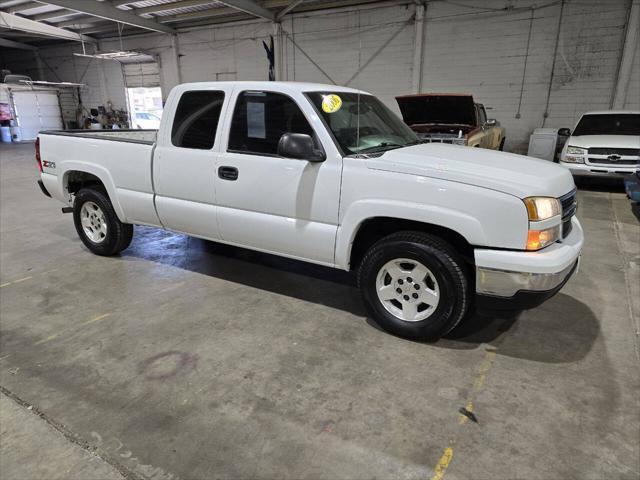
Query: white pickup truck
x,y
604,144
328,175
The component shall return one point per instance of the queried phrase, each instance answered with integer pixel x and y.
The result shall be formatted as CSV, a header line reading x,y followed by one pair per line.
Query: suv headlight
x,y
545,218
575,154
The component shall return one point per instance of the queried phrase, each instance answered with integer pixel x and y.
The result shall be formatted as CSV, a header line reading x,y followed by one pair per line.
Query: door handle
x,y
228,173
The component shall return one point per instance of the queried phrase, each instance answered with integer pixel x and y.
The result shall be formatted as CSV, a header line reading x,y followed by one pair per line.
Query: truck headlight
x,y
537,239
541,212
575,155
542,208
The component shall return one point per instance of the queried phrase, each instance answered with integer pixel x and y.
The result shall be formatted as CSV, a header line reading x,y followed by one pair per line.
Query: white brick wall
x,y
479,49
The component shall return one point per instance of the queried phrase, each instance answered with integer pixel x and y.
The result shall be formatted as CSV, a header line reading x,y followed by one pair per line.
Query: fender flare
x,y
103,175
361,211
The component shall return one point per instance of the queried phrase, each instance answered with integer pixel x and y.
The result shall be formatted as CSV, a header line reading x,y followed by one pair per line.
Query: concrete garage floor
x,y
186,359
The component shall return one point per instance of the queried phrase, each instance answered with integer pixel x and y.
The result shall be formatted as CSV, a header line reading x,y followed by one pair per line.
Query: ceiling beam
x,y
109,12
11,44
84,20
217,12
250,7
24,6
171,6
117,3
288,8
15,22
63,12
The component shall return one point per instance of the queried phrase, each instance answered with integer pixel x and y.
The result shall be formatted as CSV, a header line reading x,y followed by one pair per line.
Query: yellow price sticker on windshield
x,y
331,103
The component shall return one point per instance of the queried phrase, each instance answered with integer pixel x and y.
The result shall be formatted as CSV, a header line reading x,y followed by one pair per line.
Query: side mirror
x,y
300,146
564,132
492,122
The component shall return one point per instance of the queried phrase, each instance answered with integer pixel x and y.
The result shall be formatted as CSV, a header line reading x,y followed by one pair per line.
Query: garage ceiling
x,y
32,22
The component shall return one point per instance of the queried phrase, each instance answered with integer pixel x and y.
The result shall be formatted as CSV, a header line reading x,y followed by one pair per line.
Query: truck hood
x,y
516,175
611,141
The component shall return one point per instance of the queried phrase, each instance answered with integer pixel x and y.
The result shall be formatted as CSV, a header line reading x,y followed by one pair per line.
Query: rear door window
x,y
196,119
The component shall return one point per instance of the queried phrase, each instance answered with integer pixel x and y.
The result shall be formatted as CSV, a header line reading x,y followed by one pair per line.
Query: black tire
x,y
447,268
501,148
118,234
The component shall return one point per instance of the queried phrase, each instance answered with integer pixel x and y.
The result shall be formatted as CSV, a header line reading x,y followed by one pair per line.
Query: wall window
x,y
261,118
196,119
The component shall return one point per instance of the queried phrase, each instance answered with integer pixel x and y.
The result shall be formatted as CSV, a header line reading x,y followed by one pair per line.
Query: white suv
x,y
605,143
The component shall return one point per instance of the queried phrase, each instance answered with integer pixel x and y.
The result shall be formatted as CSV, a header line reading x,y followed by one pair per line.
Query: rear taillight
x,y
38,159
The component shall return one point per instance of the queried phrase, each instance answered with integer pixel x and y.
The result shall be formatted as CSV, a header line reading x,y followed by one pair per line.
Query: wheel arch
x,y
80,176
373,229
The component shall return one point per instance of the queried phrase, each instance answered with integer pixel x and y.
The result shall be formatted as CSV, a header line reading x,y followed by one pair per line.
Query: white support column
x,y
631,39
175,46
418,55
278,50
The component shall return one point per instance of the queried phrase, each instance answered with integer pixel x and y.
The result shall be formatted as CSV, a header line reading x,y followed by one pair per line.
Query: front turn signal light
x,y
537,239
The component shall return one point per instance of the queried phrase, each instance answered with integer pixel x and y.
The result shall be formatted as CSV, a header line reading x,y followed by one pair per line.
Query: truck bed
x,y
120,158
135,136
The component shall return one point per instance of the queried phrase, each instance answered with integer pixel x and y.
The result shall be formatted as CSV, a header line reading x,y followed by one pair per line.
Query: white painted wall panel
x,y
484,54
632,102
480,48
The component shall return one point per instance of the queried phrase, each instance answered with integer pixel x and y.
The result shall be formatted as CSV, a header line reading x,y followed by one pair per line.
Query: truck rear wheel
x,y
414,285
98,225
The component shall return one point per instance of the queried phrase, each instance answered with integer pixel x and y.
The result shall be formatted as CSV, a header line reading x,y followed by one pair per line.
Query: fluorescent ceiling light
x,y
110,55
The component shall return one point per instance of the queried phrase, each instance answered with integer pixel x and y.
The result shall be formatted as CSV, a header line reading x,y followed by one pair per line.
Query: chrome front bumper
x,y
505,273
505,283
587,170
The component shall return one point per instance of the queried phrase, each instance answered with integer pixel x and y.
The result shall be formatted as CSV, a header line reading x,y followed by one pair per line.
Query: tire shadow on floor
x,y
562,330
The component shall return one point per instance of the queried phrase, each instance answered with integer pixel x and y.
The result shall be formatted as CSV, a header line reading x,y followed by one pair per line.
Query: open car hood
x,y
437,109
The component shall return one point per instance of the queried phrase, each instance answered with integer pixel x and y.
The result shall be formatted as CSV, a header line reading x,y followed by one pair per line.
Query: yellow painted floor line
x,y
443,464
20,280
478,381
56,335
16,281
97,319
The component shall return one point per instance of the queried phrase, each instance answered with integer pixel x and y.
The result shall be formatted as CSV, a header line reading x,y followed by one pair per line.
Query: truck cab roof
x,y
285,87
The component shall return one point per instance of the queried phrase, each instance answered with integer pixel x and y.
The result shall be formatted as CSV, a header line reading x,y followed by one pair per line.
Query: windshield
x,y
609,124
367,126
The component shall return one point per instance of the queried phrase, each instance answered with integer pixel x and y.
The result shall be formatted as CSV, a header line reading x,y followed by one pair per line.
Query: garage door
x,y
36,111
141,74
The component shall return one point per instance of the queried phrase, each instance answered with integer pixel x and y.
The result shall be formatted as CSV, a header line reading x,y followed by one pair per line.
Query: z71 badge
x,y
47,164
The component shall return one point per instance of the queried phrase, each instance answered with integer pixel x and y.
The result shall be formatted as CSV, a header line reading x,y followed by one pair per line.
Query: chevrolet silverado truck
x,y
328,175
451,118
604,144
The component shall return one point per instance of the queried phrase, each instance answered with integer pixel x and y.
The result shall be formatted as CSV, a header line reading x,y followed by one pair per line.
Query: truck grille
x,y
569,206
634,152
608,161
614,156
437,140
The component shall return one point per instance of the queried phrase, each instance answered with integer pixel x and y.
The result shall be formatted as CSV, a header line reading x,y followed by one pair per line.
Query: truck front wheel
x,y
98,225
414,285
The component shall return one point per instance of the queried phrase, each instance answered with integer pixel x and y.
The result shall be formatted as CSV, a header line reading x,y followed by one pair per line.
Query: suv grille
x,y
569,206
